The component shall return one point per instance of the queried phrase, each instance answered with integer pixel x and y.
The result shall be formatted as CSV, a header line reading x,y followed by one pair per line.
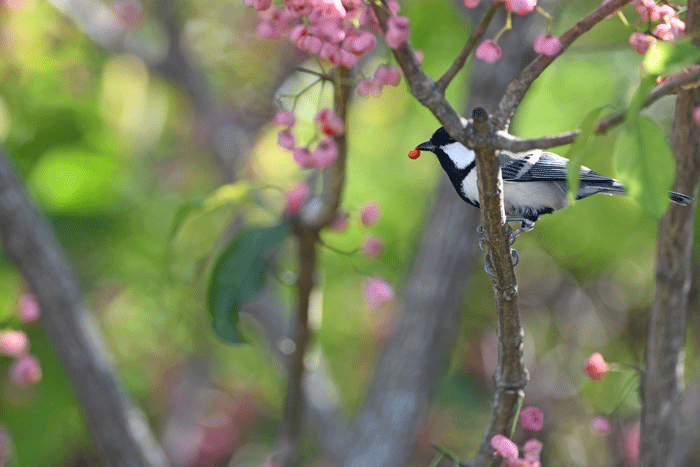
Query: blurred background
x,y
121,116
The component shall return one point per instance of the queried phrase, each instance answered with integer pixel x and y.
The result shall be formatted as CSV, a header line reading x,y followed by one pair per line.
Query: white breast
x,y
537,195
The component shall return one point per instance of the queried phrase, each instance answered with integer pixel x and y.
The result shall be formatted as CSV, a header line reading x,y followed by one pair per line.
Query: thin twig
x,y
669,86
306,226
461,59
517,89
504,140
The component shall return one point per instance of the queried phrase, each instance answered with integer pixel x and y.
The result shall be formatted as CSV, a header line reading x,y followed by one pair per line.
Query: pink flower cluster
x,y
338,31
25,368
669,27
507,449
326,151
384,75
490,52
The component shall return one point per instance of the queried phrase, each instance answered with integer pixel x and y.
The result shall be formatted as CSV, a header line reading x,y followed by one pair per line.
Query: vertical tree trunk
x,y
662,384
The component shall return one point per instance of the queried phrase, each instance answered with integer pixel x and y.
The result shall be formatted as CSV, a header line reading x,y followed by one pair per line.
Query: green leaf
x,y
670,57
239,275
580,149
645,165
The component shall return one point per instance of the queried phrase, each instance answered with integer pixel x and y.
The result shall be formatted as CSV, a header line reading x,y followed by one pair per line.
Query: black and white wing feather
x,y
542,166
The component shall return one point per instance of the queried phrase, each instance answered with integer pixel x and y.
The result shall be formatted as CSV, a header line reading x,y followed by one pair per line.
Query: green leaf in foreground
x,y
645,165
239,275
580,149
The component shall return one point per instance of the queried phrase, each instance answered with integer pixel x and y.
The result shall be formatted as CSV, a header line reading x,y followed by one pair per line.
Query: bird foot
x,y
488,268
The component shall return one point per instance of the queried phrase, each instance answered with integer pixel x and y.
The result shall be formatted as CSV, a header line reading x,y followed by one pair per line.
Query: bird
x,y
534,182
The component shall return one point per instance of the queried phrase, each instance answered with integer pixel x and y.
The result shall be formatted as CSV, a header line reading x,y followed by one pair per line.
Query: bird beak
x,y
427,146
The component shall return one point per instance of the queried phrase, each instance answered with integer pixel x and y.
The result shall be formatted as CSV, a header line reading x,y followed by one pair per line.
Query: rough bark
x,y
118,427
662,384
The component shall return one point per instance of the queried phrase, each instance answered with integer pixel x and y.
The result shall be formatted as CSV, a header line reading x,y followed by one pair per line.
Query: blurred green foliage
x,y
112,153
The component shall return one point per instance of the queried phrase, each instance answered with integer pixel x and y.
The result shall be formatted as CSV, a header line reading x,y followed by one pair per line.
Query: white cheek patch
x,y
459,154
470,188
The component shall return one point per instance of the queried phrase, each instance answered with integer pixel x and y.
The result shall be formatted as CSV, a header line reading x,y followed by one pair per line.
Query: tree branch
x,y
511,375
519,86
118,428
461,59
662,384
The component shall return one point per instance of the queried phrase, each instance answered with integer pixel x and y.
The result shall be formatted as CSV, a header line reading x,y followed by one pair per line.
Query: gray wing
x,y
542,166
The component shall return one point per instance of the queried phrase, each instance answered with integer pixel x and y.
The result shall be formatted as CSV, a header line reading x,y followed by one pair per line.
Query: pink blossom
x,y
329,8
548,45
369,214
284,118
330,123
340,222
25,371
488,51
666,11
303,157
377,292
267,30
360,43
295,197
372,247
531,419
325,153
385,74
368,87
394,7
347,59
471,3
532,450
696,116
641,41
596,367
397,31
601,426
28,308
521,7
298,32
286,140
259,5
504,447
300,7
330,52
327,30
311,44
13,343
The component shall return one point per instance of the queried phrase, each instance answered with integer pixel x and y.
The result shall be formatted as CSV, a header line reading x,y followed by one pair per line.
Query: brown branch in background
x,y
294,399
118,428
461,59
670,86
662,380
511,375
306,224
505,140
517,89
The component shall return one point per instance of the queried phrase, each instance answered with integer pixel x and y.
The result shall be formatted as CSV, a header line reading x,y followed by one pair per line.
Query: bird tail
x,y
678,198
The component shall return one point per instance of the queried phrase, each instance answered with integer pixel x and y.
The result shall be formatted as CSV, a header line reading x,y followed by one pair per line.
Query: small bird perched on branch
x,y
534,182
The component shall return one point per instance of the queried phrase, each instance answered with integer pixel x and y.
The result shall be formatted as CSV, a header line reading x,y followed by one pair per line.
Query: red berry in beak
x,y
414,153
